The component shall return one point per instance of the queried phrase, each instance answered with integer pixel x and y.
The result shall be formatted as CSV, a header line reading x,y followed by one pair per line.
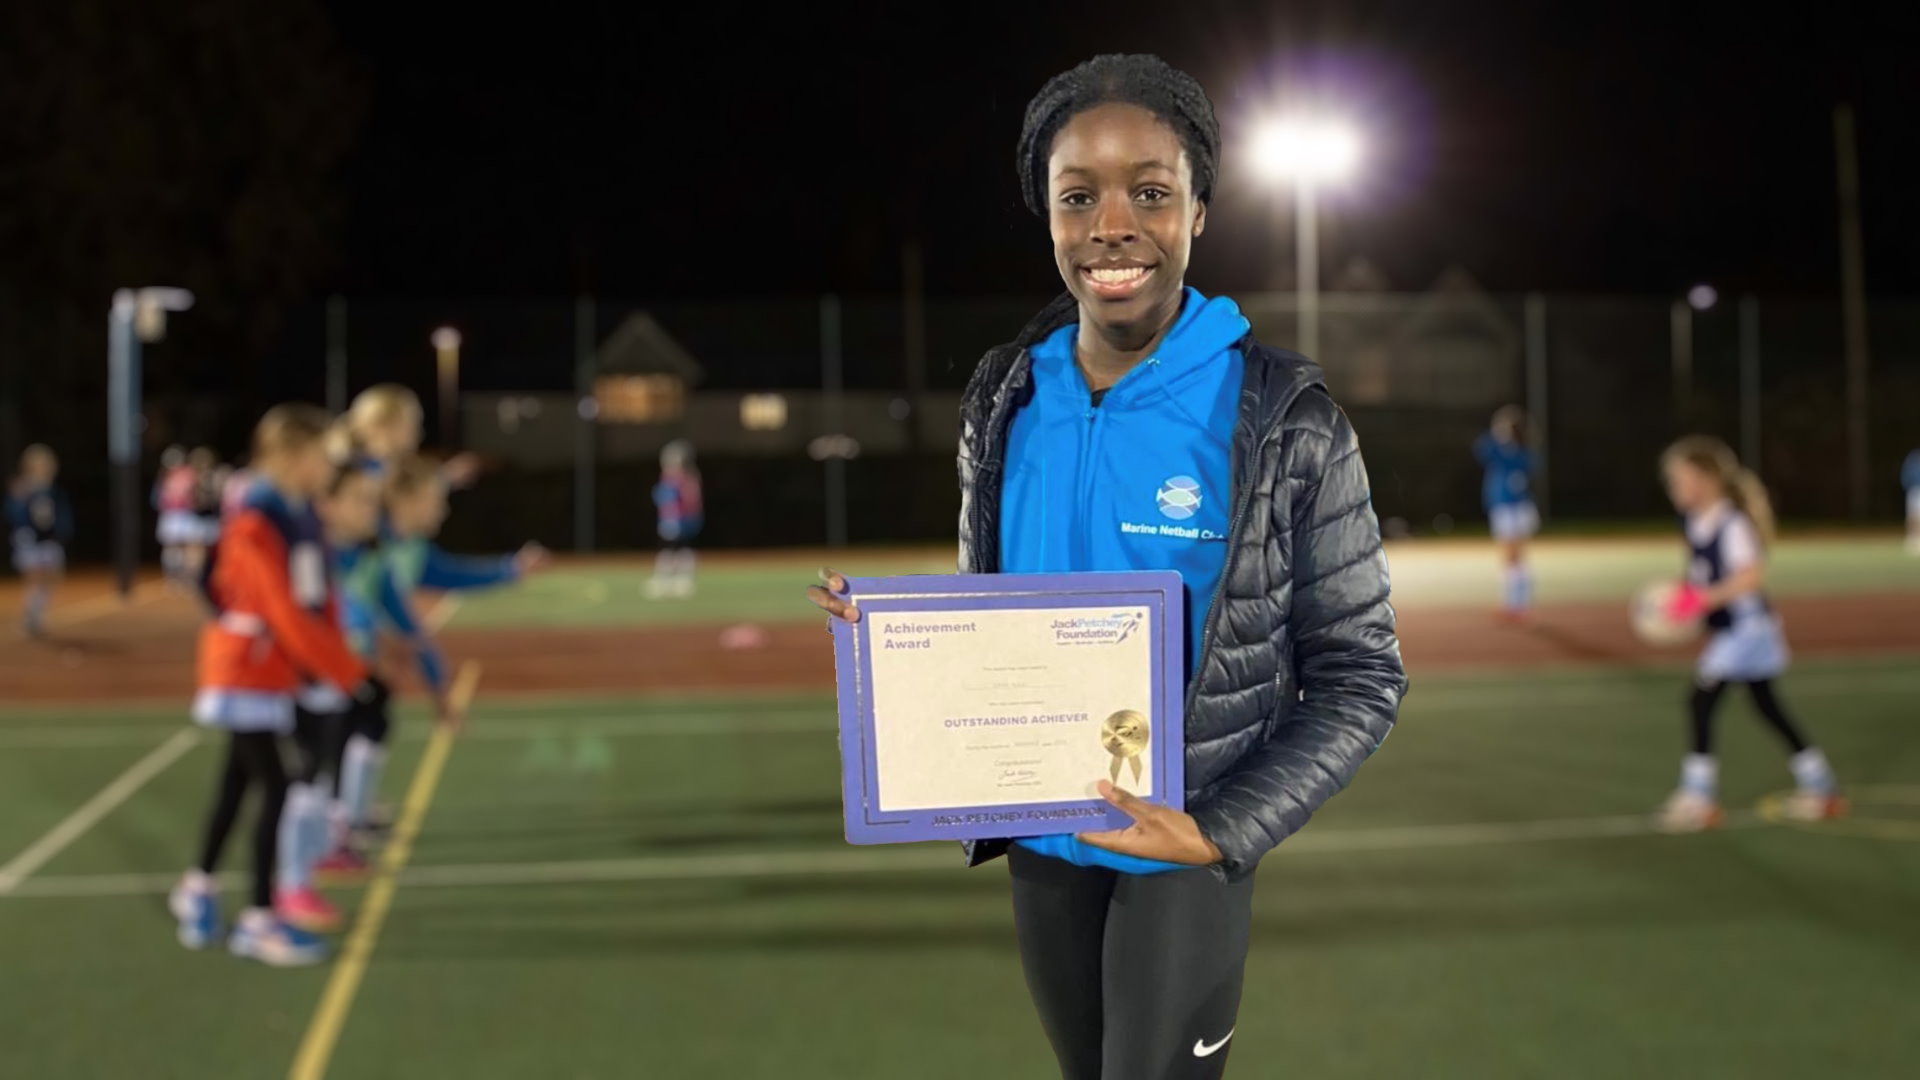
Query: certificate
x,y
991,705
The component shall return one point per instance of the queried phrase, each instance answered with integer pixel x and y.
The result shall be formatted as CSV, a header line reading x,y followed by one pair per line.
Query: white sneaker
x,y
1689,812
198,913
683,588
1804,805
657,588
261,935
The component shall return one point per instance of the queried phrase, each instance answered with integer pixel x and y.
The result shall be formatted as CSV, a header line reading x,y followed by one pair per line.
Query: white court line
x,y
817,719
842,861
102,804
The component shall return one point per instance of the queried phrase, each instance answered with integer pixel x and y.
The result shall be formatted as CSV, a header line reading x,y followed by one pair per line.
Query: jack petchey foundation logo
x,y
1095,629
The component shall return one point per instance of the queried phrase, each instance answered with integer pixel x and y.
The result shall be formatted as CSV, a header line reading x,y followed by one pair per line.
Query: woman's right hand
x,y
832,597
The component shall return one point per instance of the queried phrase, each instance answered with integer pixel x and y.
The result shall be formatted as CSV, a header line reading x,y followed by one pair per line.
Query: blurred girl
x,y
276,624
416,493
1507,493
677,498
40,523
173,498
1729,523
209,476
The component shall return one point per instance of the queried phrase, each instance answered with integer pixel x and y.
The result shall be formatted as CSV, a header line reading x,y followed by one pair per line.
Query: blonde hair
x,y
289,428
373,408
1742,485
413,475
1513,418
380,405
38,452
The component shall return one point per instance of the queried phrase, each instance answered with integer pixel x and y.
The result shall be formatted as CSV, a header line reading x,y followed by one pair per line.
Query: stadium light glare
x,y
1303,149
1702,297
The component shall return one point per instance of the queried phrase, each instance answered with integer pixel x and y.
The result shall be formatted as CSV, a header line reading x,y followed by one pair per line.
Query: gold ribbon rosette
x,y
1125,736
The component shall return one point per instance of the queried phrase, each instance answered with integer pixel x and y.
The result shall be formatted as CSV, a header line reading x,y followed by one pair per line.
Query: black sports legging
x,y
1707,697
321,739
1135,976
253,758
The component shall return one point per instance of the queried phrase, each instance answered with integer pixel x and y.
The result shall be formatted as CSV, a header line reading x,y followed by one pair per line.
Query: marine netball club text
x,y
918,635
1175,531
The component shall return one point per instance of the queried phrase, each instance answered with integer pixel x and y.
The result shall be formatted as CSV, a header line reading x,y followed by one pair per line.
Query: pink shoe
x,y
344,864
306,909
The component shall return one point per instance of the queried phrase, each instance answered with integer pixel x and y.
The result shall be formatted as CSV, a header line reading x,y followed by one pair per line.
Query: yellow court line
x,y
336,1001
442,612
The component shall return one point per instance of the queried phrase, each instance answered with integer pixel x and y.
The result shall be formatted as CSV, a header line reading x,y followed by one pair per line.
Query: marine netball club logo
x,y
1179,498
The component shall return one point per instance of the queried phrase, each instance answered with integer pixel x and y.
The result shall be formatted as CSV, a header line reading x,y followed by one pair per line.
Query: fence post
x,y
336,354
914,338
1853,305
1750,383
1536,318
585,363
832,384
1680,317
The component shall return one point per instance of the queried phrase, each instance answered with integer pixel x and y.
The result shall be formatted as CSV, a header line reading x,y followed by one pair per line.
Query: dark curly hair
x,y
1129,79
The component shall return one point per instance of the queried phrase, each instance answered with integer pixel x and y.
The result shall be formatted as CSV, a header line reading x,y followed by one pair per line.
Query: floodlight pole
x,y
123,446
134,314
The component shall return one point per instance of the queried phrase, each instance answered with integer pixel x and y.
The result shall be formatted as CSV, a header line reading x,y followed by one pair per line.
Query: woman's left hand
x,y
1156,832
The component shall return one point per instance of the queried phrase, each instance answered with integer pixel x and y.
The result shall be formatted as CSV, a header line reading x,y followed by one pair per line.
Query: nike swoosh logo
x,y
1201,1049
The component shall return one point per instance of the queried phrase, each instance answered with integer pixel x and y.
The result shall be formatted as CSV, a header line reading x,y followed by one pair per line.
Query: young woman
x,y
276,625
1126,389
677,500
1729,524
1506,490
40,523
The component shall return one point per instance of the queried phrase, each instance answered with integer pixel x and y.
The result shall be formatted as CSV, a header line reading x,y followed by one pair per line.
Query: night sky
x,y
694,150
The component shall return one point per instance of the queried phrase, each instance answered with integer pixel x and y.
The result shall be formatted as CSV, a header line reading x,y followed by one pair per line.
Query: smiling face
x,y
1123,216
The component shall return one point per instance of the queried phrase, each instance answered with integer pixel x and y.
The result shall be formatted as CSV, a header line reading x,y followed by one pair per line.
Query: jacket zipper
x,y
1089,446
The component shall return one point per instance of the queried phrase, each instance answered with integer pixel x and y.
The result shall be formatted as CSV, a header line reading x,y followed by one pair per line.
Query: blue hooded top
x,y
1138,478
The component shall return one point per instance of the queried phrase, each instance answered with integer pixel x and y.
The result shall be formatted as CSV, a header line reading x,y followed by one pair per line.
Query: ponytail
x,y
1749,495
343,448
1742,485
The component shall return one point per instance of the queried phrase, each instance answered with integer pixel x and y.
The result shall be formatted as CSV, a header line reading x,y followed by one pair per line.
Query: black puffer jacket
x,y
1299,674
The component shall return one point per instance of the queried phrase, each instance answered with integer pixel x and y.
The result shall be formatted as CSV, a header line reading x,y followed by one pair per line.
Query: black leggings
x,y
1135,976
322,741
253,758
1707,697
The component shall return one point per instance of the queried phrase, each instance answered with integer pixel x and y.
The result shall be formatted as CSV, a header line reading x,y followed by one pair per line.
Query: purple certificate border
x,y
1159,591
